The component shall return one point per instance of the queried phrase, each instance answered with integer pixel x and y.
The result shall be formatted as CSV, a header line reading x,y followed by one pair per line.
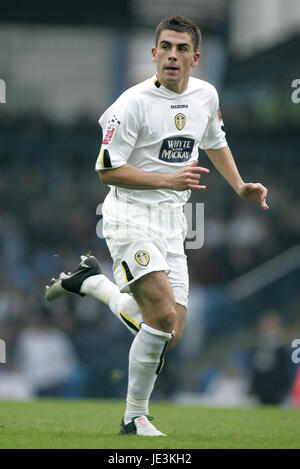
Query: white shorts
x,y
146,238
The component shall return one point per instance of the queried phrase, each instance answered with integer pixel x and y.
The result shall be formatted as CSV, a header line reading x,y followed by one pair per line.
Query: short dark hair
x,y
180,24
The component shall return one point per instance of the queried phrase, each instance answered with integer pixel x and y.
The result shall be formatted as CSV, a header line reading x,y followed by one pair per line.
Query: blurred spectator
x,y
102,347
13,385
224,387
44,357
229,388
270,361
246,229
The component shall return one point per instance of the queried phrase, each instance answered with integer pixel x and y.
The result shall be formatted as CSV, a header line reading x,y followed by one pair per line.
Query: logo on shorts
x,y
180,121
142,258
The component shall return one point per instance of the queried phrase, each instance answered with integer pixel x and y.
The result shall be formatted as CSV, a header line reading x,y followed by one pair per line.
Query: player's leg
x,y
179,325
179,280
149,305
123,305
162,300
87,279
155,298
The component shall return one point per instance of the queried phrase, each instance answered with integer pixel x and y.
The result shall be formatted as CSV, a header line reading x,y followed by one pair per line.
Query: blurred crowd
x,y
49,193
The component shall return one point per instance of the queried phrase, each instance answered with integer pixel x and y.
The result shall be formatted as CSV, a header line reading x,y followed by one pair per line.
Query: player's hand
x,y
254,192
186,178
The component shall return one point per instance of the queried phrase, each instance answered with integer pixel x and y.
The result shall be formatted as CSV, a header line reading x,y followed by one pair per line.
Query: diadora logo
x,y
179,106
176,149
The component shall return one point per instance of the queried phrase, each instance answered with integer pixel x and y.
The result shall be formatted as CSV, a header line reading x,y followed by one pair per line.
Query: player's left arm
x,y
223,161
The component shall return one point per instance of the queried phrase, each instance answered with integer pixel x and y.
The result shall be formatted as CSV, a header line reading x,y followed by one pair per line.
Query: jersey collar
x,y
165,90
157,83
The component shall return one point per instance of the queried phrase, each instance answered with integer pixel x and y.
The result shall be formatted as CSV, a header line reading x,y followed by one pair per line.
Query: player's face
x,y
174,56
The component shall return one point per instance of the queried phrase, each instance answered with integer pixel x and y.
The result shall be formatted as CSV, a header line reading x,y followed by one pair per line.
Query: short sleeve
x,y
120,126
214,136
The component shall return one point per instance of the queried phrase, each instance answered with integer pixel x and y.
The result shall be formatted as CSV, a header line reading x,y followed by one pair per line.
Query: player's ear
x,y
196,58
154,53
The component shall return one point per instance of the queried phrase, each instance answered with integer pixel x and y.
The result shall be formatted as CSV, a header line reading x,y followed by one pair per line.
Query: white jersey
x,y
156,130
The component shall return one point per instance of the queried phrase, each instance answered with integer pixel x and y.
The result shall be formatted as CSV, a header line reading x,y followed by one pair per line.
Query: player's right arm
x,y
130,177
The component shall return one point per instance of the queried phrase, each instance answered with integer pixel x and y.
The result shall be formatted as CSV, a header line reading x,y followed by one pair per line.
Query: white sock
x,y
99,287
122,305
146,358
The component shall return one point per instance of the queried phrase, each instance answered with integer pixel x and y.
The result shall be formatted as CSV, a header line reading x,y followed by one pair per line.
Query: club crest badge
x,y
180,121
142,258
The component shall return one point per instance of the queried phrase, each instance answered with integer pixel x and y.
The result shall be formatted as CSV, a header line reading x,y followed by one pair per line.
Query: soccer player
x,y
149,158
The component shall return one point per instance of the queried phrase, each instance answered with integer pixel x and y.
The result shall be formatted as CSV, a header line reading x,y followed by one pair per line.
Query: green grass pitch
x,y
95,424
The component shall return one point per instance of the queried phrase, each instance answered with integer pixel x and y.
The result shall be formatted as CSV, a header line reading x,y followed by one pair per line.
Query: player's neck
x,y
175,87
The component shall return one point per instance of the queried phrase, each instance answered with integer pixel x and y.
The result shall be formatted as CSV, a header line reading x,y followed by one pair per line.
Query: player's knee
x,y
166,319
